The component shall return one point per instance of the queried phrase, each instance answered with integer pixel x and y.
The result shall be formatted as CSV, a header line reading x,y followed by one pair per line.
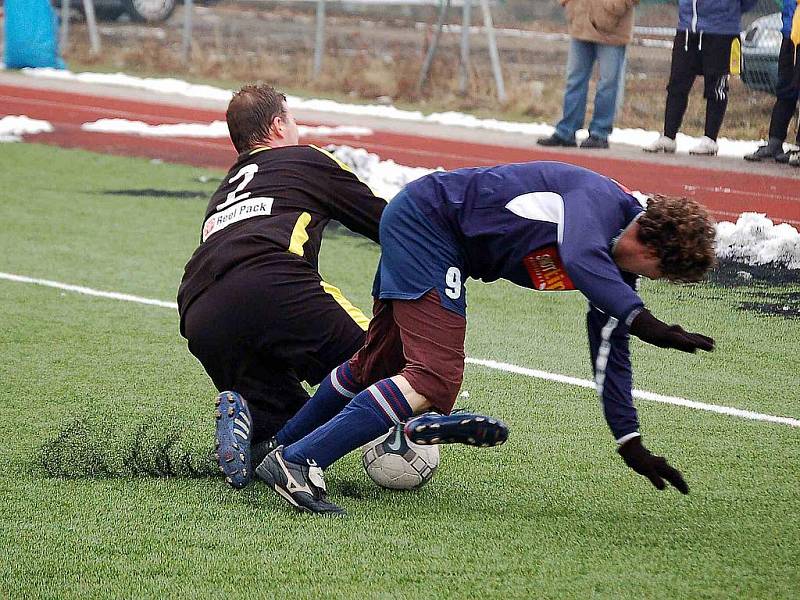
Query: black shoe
x,y
594,142
556,140
302,486
783,158
794,158
259,451
462,428
765,152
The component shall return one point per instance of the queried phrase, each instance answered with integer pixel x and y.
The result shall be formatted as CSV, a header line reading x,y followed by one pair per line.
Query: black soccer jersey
x,y
277,200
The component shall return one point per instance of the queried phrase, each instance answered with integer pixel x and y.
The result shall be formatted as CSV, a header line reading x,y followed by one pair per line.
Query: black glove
x,y
649,329
638,458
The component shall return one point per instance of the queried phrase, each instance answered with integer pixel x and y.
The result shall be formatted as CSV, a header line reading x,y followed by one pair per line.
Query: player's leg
x,y
610,90
432,332
716,56
261,350
351,377
210,338
433,342
299,481
784,108
683,70
580,62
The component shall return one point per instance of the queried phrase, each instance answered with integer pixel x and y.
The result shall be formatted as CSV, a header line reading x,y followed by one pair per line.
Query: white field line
x,y
676,400
88,291
491,364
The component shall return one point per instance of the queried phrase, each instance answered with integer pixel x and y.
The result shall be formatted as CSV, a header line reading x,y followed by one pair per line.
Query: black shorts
x,y
268,325
704,54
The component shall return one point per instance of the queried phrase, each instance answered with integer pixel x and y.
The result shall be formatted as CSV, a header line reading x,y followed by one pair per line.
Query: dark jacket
x,y
713,16
787,15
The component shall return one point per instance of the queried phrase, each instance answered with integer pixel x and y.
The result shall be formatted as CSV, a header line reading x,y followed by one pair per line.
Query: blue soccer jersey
x,y
543,225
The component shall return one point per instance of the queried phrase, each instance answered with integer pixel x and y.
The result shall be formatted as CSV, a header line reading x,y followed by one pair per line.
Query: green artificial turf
x,y
100,399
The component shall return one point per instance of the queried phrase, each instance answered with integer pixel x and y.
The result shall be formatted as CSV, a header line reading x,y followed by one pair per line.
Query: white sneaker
x,y
705,147
662,144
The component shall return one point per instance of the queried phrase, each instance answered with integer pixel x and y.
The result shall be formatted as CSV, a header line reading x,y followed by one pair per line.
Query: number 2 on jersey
x,y
246,174
452,282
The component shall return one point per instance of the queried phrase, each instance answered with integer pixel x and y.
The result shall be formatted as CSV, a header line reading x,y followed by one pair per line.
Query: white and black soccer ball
x,y
394,462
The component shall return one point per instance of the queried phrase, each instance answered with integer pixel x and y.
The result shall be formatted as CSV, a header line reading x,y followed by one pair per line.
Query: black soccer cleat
x,y
232,440
259,451
302,486
461,428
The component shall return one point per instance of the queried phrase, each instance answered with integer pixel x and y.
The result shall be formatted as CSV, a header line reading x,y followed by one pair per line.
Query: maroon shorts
x,y
420,340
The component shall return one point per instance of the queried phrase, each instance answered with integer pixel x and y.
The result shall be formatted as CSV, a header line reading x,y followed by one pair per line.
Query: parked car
x,y
761,45
149,11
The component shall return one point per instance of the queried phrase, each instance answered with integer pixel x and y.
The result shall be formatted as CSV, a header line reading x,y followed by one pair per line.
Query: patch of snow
x,y
215,129
634,137
384,177
13,127
754,239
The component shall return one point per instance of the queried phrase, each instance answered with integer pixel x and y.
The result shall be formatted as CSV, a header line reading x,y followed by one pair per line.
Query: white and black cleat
x,y
301,485
234,431
460,428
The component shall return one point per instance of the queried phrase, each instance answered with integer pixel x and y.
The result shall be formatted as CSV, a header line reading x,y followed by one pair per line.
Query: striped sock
x,y
371,413
332,395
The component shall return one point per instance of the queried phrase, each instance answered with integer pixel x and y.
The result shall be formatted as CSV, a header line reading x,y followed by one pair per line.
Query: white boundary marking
x,y
88,291
490,364
644,395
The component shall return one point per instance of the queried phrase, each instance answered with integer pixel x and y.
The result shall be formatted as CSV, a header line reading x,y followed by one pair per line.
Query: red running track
x,y
726,194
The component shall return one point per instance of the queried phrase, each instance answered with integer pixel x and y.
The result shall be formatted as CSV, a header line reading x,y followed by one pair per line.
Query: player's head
x,y
258,116
679,234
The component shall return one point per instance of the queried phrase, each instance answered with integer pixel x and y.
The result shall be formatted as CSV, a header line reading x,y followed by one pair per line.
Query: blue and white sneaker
x,y
461,428
232,441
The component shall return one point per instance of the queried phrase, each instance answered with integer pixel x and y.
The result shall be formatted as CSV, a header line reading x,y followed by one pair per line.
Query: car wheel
x,y
150,10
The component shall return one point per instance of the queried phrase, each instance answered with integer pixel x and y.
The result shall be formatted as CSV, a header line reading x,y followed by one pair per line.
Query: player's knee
x,y
680,87
439,392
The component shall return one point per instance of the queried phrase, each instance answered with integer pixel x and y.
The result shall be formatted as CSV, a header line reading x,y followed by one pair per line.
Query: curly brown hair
x,y
250,114
681,233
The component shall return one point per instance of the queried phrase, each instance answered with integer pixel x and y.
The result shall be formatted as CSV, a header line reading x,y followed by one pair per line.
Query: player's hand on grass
x,y
655,468
649,329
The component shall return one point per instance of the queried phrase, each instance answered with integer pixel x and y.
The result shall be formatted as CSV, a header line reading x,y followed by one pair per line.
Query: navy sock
x,y
332,395
370,414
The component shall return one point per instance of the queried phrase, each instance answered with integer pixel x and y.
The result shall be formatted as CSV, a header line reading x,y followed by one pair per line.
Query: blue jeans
x,y
610,88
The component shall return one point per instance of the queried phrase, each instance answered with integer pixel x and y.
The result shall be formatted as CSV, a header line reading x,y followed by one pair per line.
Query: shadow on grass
x,y
757,284
153,193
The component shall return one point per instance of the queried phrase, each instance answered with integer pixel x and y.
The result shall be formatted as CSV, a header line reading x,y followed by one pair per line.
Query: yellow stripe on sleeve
x,y
355,314
299,234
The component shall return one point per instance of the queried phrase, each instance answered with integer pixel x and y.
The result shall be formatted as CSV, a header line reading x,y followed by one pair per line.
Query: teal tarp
x,y
31,35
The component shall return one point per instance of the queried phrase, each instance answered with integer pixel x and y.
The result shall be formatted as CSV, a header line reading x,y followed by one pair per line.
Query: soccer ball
x,y
394,462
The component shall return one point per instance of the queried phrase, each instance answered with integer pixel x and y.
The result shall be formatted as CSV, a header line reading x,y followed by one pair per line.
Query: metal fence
x,y
517,19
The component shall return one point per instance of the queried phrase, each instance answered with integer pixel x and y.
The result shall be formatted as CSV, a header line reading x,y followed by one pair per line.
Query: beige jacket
x,y
602,21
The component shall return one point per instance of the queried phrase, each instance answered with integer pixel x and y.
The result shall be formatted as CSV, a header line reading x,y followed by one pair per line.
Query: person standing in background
x,y
794,158
702,46
786,94
600,31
